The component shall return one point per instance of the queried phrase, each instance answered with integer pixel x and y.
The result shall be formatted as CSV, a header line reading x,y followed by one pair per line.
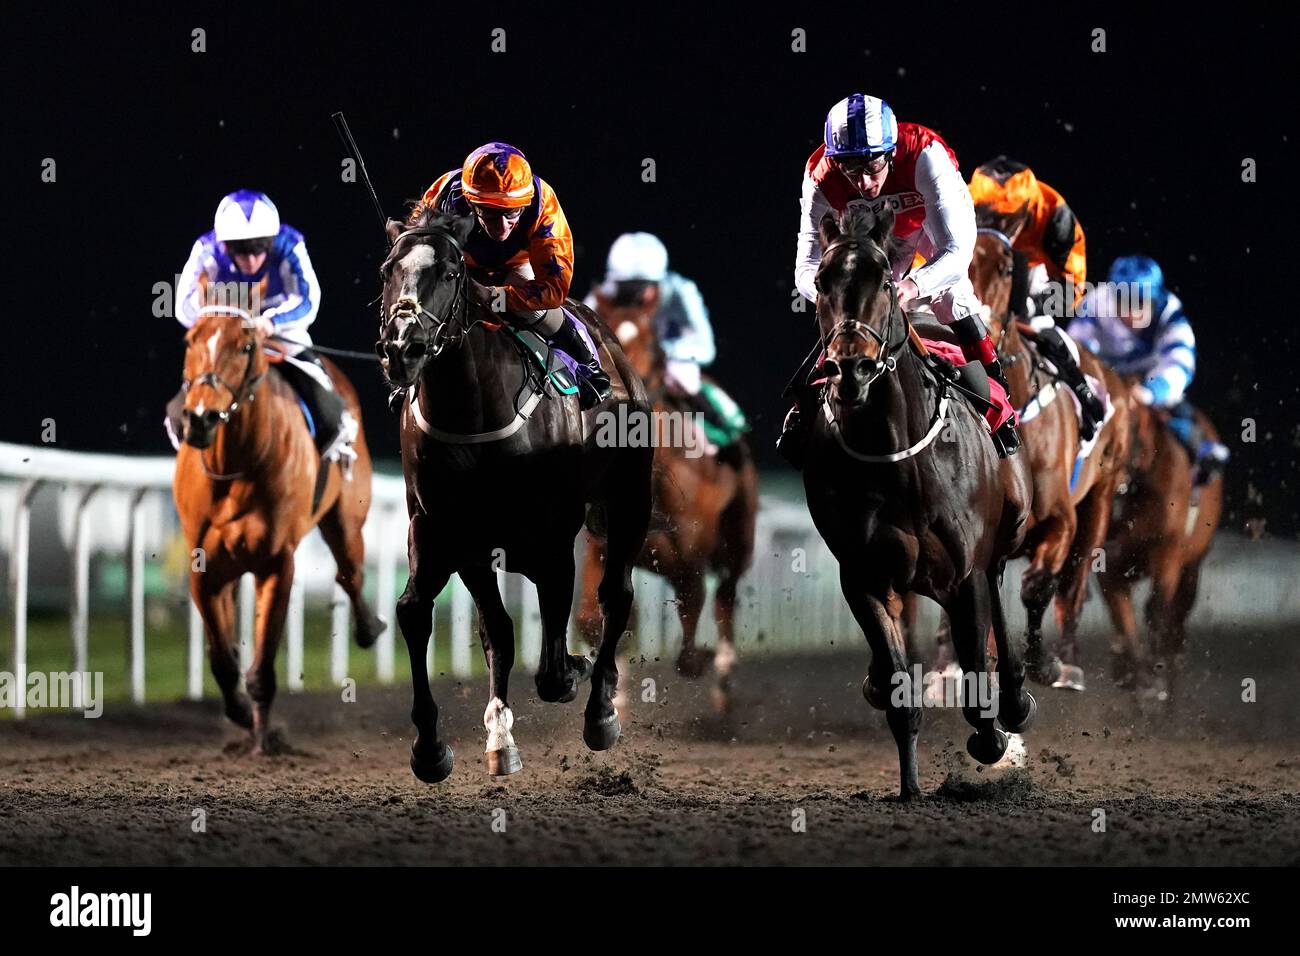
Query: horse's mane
x,y
863,226
421,216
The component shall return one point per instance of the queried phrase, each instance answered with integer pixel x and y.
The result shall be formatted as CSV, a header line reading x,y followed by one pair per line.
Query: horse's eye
x,y
248,349
453,276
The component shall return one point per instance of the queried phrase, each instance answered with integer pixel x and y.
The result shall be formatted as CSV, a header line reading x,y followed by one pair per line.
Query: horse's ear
x,y
829,228
394,229
462,226
883,230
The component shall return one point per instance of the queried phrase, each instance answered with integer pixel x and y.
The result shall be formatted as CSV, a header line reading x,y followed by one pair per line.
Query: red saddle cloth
x,y
1002,408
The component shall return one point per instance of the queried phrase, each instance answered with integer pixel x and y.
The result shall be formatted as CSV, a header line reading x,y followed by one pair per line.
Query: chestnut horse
x,y
901,511
495,481
245,478
1071,509
1162,529
705,508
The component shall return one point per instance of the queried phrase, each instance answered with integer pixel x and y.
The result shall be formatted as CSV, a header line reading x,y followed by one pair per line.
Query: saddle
x,y
550,367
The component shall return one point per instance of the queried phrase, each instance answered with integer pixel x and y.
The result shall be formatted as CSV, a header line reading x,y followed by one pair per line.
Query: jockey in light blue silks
x,y
636,271
249,248
1137,326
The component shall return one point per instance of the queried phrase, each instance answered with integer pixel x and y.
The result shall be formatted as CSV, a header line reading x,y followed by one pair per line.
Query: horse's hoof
x,y
240,712
602,733
368,632
433,771
987,750
504,762
565,689
1069,678
874,696
692,662
1045,672
1019,726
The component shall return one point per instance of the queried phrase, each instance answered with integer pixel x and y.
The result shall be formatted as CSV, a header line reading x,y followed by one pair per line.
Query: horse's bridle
x,y
441,330
886,363
887,360
244,393
1007,360
246,388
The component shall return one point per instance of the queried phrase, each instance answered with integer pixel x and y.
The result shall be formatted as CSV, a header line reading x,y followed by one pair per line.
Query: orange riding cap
x,y
1051,235
541,239
497,174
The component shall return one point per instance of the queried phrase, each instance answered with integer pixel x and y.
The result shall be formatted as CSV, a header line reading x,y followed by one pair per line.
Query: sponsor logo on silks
x,y
899,202
78,690
77,909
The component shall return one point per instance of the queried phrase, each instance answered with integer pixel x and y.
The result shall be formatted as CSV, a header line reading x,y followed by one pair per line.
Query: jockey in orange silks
x,y
1036,222
520,252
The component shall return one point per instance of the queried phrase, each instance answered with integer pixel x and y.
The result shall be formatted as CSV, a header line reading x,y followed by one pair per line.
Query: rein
x,y
449,330
442,330
1044,393
885,365
245,392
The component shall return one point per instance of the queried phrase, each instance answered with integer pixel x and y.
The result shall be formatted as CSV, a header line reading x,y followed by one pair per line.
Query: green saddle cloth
x,y
724,422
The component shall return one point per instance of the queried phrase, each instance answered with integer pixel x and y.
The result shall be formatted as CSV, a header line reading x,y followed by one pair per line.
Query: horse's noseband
x,y
441,330
888,359
244,393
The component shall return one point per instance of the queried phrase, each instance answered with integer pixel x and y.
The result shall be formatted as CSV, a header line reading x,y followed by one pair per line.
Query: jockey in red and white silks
x,y
868,158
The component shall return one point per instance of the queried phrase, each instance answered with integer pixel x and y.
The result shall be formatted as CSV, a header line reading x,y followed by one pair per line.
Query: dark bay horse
x,y
705,507
1162,529
245,478
1071,508
491,485
900,510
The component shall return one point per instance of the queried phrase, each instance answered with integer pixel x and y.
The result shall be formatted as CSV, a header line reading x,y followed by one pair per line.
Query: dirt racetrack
x,y
1214,781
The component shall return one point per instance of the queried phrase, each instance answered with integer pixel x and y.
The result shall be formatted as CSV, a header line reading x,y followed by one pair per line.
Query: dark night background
x,y
1145,140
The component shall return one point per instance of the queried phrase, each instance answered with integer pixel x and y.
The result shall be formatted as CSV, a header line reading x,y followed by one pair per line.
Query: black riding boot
x,y
324,405
593,387
1051,343
976,346
793,441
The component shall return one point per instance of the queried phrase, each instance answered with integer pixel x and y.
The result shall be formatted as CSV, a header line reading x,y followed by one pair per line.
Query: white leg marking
x,y
498,720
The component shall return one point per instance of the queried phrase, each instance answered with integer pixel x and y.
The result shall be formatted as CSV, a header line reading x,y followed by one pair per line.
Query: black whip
x,y
345,134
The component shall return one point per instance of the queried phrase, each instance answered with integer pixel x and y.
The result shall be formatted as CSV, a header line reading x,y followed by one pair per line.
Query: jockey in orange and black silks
x,y
1034,220
520,252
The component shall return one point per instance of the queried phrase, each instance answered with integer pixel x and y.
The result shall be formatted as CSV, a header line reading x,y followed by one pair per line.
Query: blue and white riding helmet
x,y
246,214
860,125
1141,272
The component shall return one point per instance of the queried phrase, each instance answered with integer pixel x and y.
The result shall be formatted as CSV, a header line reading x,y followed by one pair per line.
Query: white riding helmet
x,y
246,214
636,256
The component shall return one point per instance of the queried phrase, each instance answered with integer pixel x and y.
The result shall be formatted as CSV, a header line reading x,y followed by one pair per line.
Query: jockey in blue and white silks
x,y
1137,326
249,248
